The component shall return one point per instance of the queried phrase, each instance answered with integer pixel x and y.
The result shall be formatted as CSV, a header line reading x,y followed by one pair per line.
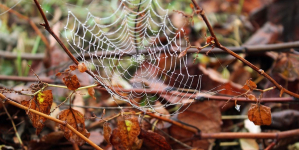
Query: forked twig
x,y
217,44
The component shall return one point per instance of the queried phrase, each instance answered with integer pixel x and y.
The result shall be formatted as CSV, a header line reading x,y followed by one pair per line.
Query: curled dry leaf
x,y
58,74
259,114
82,67
184,52
154,141
41,102
75,119
209,39
249,85
73,67
128,129
72,82
251,97
191,6
91,92
107,132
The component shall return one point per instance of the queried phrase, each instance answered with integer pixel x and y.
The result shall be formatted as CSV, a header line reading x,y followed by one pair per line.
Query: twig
x,y
162,92
13,124
201,12
248,49
271,145
50,118
173,122
229,135
174,139
153,116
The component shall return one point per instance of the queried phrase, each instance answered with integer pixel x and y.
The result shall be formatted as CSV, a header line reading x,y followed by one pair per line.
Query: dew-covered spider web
x,y
138,44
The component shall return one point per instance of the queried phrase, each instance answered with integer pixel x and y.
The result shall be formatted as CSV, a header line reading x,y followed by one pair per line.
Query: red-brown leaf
x,y
41,102
249,85
72,82
107,132
259,114
251,97
154,141
73,67
75,119
82,67
58,74
91,92
126,132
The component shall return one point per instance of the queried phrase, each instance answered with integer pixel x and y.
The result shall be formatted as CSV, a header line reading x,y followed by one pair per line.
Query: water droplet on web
x,y
107,38
238,107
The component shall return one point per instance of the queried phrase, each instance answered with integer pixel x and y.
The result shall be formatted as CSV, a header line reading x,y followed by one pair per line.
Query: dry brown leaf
x,y
58,74
154,141
75,119
251,97
206,116
259,114
73,67
249,85
126,132
41,102
107,132
116,140
82,67
91,92
72,82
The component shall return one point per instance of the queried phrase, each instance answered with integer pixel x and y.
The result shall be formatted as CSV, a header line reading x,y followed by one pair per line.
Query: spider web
x,y
139,44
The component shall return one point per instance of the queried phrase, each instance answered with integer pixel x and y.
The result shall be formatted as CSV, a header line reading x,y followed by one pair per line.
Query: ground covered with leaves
x,y
37,73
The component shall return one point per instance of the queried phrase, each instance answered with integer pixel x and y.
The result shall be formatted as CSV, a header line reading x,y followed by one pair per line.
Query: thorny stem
x,y
13,124
217,44
2,97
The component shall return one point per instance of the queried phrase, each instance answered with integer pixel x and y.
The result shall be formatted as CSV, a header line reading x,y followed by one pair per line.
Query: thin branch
x,y
199,97
229,135
173,122
201,12
6,100
248,49
271,145
13,124
169,136
153,116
